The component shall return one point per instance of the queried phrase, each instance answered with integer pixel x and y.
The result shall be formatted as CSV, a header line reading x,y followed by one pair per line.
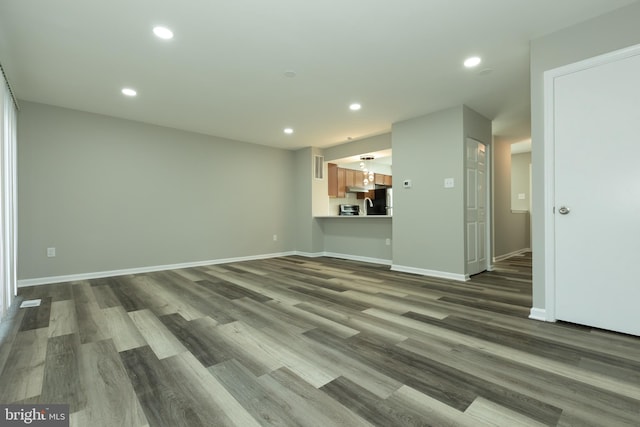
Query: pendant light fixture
x,y
367,173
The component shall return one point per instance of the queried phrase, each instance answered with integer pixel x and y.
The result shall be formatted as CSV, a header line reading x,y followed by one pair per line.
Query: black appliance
x,y
379,203
349,210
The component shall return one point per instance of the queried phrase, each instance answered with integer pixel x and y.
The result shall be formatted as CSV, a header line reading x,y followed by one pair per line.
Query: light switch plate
x,y
407,183
448,183
521,196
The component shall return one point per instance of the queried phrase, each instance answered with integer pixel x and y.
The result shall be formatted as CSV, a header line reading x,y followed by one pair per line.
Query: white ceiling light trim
x,y
127,91
163,32
355,106
288,131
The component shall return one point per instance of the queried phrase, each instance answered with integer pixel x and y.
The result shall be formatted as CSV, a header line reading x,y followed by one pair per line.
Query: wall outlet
x,y
387,242
51,252
275,237
448,183
521,196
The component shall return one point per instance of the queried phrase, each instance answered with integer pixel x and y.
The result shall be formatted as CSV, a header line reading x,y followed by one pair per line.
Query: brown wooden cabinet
x,y
342,181
351,177
339,179
370,194
332,179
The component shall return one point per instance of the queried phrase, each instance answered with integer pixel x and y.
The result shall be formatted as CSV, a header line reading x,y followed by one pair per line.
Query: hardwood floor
x,y
314,342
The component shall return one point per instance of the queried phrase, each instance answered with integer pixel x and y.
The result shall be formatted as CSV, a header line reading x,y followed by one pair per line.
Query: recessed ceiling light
x,y
355,106
288,131
474,61
163,33
129,92
290,73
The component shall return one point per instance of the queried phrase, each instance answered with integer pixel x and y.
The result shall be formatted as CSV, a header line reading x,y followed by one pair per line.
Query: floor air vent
x,y
30,303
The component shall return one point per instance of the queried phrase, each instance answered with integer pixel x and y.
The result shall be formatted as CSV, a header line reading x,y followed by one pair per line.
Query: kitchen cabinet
x,y
339,179
370,194
351,177
332,178
342,181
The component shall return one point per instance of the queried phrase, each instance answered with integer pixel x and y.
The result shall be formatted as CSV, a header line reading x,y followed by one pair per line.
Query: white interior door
x,y
476,206
597,182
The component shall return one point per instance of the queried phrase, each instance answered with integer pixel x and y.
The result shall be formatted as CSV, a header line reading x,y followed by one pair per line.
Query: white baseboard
x,y
100,274
309,254
432,273
510,254
358,258
538,314
124,272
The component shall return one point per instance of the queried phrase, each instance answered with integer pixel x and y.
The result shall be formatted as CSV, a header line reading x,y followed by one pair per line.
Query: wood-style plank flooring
x,y
314,342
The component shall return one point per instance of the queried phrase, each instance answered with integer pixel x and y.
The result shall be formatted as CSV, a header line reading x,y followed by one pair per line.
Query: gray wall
x,y
112,194
358,237
428,219
603,34
428,228
511,231
308,234
520,164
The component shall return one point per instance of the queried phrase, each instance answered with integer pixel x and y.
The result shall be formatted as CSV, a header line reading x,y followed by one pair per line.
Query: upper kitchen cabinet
x,y
351,180
388,180
337,180
332,179
342,182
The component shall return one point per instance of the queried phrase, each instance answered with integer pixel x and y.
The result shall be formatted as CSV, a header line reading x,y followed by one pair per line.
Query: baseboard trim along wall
x,y
431,273
358,258
510,254
124,272
309,254
112,273
538,314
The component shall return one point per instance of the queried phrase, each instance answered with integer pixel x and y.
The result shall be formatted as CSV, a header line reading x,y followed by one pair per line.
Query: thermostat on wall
x,y
406,183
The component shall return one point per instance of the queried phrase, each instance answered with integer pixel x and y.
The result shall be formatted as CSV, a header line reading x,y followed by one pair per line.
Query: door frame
x,y
549,168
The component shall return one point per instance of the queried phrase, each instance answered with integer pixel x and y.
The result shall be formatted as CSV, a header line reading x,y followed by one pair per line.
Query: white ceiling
x,y
223,73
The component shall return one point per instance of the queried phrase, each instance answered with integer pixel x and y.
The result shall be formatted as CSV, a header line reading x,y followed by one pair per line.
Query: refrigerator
x,y
382,203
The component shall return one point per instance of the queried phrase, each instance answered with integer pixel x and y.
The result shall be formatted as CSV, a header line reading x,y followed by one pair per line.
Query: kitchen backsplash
x,y
351,199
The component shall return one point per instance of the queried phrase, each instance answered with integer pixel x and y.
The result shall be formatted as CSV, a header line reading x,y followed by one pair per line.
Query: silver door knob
x,y
564,210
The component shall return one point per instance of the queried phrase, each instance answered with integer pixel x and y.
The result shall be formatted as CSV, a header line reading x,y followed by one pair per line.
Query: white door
x,y
597,194
476,206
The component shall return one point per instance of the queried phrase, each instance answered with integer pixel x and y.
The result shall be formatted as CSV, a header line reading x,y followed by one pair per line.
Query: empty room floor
x,y
313,341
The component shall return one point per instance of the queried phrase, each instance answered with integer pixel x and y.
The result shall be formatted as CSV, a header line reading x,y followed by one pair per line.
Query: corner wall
x,y
308,234
112,194
428,220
